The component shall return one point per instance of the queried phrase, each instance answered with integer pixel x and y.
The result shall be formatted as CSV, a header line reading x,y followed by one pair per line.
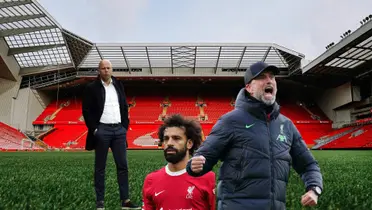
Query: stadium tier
x,y
12,140
147,112
65,127
356,137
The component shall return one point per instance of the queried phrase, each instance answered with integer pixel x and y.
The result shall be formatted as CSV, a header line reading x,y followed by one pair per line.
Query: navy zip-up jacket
x,y
257,146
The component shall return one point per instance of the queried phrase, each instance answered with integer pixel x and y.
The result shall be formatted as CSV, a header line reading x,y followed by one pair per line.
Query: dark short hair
x,y
192,128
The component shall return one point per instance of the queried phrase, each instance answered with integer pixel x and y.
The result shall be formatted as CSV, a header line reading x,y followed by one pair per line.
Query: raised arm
x,y
212,149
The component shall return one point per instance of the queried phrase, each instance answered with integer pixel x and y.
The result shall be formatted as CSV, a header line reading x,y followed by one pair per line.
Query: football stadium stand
x,y
44,69
147,112
13,140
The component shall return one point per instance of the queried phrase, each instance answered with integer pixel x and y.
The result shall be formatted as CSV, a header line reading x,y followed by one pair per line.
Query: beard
x,y
266,99
177,156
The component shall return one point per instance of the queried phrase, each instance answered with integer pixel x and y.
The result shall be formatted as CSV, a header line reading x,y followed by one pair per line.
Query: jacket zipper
x,y
271,163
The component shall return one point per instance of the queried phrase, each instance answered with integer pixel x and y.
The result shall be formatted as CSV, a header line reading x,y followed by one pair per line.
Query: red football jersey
x,y
166,190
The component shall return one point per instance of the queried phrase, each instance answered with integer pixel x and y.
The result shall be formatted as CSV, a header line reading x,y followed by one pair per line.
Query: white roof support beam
x,y
20,18
218,59
148,60
19,50
14,3
43,69
12,32
240,59
266,53
126,61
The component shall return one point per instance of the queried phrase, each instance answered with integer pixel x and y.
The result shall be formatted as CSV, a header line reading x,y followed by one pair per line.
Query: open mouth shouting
x,y
269,91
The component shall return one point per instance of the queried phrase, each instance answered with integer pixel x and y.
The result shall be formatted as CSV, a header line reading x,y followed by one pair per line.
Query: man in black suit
x,y
105,112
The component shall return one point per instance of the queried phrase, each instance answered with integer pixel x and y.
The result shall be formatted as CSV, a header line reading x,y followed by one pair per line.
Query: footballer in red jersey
x,y
171,188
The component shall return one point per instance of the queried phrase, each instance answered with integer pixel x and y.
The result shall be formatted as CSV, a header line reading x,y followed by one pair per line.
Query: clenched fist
x,y
197,163
309,199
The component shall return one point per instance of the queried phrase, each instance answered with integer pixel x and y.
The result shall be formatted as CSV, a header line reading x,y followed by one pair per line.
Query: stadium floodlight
x,y
348,32
366,19
330,45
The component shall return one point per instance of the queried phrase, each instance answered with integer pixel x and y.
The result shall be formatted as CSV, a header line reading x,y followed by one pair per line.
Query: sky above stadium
x,y
303,26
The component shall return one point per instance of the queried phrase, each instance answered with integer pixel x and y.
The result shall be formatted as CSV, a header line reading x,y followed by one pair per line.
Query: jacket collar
x,y
99,80
255,107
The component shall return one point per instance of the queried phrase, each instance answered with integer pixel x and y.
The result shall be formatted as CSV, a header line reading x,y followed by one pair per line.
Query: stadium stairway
x,y
359,138
70,111
312,131
55,112
185,105
42,144
333,136
200,103
165,105
13,140
43,134
214,107
65,135
146,109
313,116
299,112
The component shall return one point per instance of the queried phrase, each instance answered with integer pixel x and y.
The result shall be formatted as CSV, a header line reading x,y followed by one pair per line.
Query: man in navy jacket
x,y
257,145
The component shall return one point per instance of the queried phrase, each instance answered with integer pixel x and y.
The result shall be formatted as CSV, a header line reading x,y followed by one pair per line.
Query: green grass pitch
x,y
64,180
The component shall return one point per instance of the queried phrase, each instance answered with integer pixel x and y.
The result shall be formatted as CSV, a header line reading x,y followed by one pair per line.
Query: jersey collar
x,y
175,173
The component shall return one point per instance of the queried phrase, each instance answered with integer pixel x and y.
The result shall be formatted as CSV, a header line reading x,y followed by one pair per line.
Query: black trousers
x,y
114,137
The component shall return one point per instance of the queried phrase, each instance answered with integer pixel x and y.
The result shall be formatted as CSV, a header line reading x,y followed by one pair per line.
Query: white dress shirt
x,y
111,109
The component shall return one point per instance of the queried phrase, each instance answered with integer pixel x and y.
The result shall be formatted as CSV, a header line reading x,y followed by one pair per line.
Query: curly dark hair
x,y
192,128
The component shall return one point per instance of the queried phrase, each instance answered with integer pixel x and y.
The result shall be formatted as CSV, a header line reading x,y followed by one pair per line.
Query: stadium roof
x,y
40,45
36,40
191,55
351,57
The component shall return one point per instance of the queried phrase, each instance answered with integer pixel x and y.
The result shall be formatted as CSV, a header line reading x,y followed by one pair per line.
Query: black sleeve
x,y
213,147
87,109
125,115
304,163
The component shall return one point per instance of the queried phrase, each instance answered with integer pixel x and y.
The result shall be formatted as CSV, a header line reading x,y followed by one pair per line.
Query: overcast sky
x,y
304,26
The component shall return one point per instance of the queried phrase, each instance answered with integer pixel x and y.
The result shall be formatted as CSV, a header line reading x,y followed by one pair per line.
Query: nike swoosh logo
x,y
248,126
158,193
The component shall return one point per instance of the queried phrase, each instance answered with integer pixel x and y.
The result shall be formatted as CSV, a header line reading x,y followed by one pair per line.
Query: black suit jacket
x,y
93,104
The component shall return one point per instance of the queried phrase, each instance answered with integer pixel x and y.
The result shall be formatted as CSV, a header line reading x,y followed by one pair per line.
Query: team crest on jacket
x,y
189,192
281,137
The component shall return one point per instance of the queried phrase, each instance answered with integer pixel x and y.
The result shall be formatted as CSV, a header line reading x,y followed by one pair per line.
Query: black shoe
x,y
100,205
129,205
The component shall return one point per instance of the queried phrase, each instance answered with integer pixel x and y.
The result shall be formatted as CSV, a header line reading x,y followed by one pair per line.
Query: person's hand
x,y
197,163
309,199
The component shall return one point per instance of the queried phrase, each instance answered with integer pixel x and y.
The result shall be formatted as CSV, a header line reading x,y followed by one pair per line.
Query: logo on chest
x,y
190,190
281,137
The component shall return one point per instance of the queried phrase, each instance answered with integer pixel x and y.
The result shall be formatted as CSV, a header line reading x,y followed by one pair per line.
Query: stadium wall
x,y
334,98
341,117
27,108
8,91
9,61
